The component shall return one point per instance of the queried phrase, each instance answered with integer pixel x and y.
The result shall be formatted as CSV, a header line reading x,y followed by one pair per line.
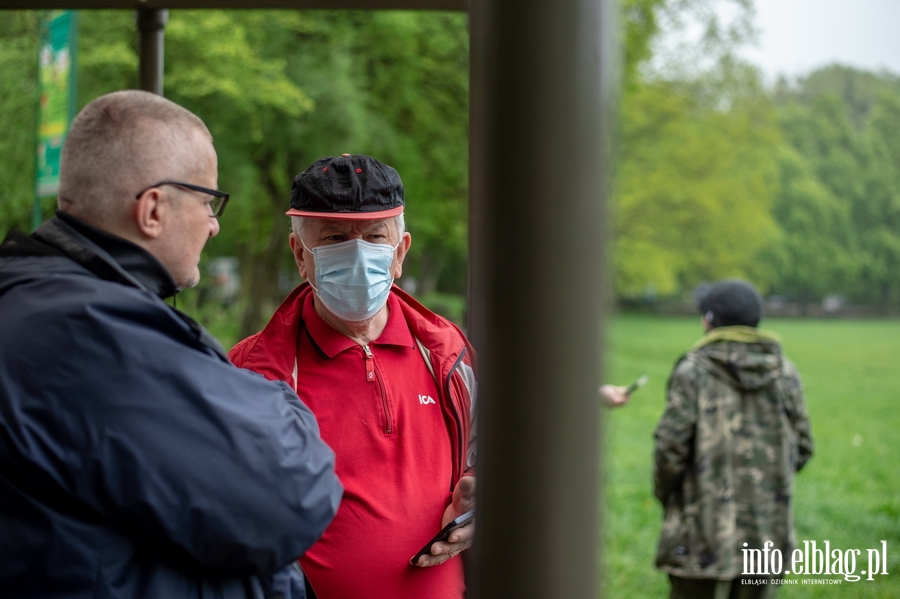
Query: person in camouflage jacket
x,y
734,432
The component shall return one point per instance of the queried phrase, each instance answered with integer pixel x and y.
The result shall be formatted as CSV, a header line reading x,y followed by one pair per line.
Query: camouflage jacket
x,y
734,432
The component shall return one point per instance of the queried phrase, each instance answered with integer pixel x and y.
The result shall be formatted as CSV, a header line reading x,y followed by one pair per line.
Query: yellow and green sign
x,y
56,103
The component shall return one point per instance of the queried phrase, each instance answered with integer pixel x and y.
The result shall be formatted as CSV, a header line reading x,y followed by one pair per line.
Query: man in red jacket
x,y
391,384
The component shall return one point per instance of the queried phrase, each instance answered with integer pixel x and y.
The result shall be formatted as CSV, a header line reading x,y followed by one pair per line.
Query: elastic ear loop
x,y
307,278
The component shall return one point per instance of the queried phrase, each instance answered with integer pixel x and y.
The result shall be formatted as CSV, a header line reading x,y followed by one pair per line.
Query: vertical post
x,y
543,85
151,24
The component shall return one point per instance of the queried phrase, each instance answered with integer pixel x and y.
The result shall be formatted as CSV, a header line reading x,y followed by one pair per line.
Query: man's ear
x,y
297,251
148,213
402,249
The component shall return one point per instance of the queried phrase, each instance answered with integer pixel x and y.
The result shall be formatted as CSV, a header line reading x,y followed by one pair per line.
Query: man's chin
x,y
190,282
357,323
353,324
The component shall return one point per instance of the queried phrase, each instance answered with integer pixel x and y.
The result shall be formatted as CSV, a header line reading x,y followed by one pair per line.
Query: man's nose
x,y
214,227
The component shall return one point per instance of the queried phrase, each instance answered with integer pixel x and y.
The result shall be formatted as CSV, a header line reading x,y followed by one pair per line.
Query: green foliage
x,y
796,188
812,255
19,39
859,90
279,89
843,124
848,493
389,84
107,55
878,211
415,70
695,173
640,25
695,180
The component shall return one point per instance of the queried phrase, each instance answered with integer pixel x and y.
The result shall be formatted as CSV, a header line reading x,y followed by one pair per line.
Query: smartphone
x,y
460,522
637,384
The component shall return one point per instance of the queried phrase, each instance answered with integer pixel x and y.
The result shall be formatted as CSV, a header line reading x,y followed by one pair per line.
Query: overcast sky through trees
x,y
798,36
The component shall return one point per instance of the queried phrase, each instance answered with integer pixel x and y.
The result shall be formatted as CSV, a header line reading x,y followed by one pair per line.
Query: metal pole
x,y
151,24
543,81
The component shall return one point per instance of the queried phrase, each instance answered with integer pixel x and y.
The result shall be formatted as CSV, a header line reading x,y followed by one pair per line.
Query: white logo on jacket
x,y
426,399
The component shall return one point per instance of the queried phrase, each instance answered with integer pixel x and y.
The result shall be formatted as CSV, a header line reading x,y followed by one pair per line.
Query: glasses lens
x,y
218,206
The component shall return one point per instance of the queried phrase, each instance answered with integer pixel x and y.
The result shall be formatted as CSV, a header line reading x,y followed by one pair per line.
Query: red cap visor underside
x,y
348,215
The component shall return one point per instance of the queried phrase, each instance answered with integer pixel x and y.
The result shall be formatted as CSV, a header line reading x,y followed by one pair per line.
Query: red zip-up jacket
x,y
446,351
449,358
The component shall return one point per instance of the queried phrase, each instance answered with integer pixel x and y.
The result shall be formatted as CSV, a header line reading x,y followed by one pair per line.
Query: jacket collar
x,y
331,342
272,353
741,334
106,255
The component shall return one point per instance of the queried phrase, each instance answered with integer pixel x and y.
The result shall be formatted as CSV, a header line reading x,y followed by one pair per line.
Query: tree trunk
x,y
430,265
885,307
261,270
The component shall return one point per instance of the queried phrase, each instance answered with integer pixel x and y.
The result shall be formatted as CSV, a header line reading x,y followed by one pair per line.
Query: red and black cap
x,y
351,186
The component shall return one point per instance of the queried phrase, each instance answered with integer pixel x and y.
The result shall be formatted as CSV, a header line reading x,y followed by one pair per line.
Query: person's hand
x,y
614,396
461,538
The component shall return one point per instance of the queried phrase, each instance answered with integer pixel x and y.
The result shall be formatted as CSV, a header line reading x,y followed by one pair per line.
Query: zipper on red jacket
x,y
459,459
370,364
372,377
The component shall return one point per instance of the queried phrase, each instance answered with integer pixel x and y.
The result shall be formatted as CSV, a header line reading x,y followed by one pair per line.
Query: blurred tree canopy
x,y
19,41
696,176
842,125
795,186
278,90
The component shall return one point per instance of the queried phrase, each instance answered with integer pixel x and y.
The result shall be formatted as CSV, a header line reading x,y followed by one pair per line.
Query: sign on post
x,y
56,99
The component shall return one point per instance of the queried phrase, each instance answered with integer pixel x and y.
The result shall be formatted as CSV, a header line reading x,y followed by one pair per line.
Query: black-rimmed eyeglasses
x,y
218,203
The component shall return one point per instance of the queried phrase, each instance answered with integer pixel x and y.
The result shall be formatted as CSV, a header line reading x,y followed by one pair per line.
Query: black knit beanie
x,y
729,302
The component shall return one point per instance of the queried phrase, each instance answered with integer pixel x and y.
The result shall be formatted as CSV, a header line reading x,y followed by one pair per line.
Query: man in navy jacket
x,y
135,459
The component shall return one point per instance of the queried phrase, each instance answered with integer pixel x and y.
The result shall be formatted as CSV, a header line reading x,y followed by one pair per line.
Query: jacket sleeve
x,y
164,437
798,417
674,434
468,375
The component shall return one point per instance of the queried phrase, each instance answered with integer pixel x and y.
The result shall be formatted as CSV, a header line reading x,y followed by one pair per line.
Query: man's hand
x,y
614,396
461,538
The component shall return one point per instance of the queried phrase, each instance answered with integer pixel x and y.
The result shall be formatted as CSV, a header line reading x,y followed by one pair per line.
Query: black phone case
x,y
459,522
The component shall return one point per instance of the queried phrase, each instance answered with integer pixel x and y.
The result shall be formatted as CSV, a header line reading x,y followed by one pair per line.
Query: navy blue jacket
x,y
135,460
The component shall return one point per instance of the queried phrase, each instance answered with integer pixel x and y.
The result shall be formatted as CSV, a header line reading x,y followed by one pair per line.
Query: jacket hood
x,y
744,357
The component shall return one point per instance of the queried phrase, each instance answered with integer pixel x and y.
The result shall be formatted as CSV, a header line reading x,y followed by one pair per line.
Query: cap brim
x,y
348,215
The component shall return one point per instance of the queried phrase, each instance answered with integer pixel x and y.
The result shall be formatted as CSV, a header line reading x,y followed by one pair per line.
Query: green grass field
x,y
849,493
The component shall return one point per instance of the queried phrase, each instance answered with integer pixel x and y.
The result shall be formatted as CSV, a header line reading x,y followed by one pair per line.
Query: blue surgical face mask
x,y
353,278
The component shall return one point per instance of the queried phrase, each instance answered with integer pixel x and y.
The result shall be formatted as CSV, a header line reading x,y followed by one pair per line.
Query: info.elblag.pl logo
x,y
815,560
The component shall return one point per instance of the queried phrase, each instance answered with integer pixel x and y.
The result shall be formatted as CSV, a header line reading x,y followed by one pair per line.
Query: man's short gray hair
x,y
298,225
119,144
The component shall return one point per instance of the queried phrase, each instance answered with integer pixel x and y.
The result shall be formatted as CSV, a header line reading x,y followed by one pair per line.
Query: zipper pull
x,y
370,364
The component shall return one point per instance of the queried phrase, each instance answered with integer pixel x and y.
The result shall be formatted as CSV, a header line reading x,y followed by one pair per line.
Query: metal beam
x,y
151,25
542,84
229,4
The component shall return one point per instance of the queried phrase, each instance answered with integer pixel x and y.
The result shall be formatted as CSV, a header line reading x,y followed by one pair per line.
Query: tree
x,y
813,254
842,122
859,90
695,174
19,39
280,89
877,214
